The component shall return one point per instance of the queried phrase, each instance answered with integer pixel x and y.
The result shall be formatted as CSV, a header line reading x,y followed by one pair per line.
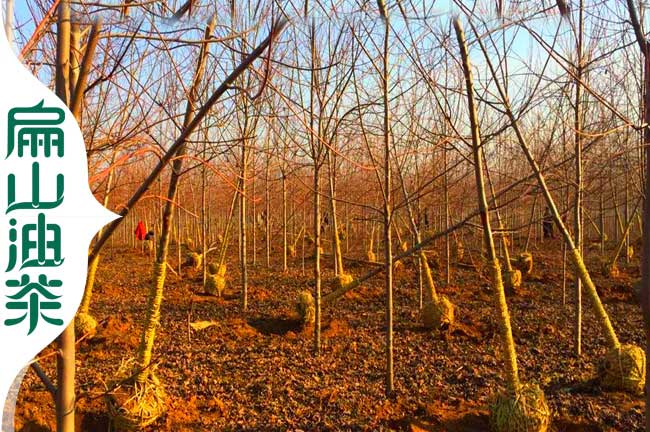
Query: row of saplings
x,y
622,367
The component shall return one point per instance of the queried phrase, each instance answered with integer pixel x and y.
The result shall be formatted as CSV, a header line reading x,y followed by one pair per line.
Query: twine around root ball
x,y
371,256
512,280
85,325
135,404
305,307
438,315
215,285
526,411
343,280
623,368
525,262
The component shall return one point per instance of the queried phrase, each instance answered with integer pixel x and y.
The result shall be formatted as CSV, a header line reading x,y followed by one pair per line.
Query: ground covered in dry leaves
x,y
257,371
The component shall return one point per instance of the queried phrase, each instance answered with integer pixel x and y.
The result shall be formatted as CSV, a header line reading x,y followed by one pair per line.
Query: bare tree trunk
x,y
204,226
505,330
284,223
315,144
388,253
152,318
267,210
578,197
447,243
317,269
254,175
336,238
242,226
65,366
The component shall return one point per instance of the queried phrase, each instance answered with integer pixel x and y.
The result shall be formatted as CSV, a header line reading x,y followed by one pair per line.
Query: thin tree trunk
x,y
507,341
284,223
388,255
65,367
336,239
242,227
577,211
152,319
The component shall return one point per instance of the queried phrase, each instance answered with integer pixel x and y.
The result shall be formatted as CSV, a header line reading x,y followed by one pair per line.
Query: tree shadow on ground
x,y
276,326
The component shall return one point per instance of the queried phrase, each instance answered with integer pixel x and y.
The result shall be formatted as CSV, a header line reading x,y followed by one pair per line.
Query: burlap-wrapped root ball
x,y
512,280
438,315
217,269
525,263
189,243
371,256
397,266
525,412
342,280
305,307
195,260
85,325
134,404
623,368
215,285
630,252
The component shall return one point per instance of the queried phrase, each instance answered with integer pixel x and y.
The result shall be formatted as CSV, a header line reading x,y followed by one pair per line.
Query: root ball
x,y
215,284
438,315
195,260
525,412
305,307
512,280
623,368
85,325
217,269
525,263
343,279
135,404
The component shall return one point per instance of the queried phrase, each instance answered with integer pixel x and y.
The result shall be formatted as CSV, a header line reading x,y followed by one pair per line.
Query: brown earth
x,y
257,371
